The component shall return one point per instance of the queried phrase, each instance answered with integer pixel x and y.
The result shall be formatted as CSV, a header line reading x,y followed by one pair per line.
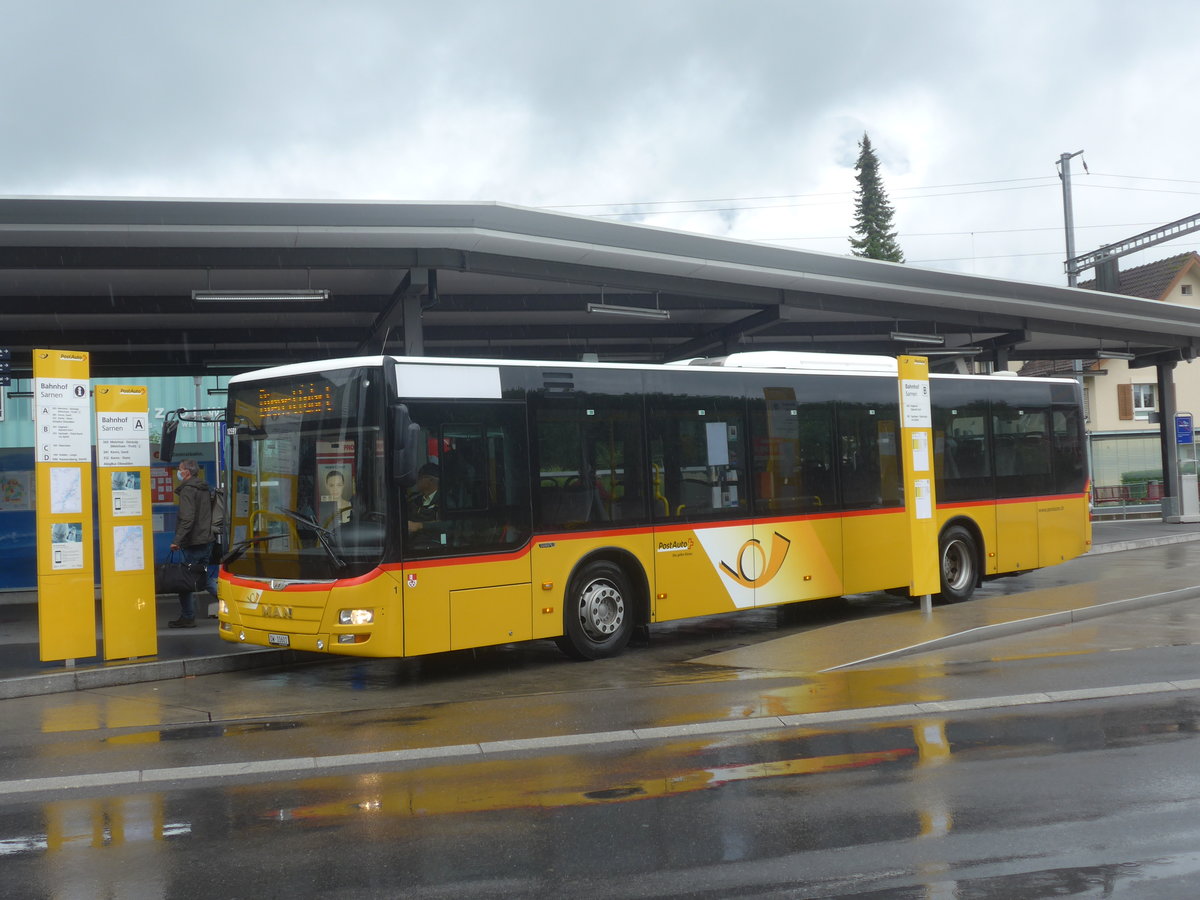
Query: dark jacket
x,y
194,527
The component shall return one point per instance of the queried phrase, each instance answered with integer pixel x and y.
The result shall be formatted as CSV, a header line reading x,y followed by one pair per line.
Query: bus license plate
x,y
277,640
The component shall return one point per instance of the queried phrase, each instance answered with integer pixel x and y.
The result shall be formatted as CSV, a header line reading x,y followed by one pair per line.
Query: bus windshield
x,y
307,484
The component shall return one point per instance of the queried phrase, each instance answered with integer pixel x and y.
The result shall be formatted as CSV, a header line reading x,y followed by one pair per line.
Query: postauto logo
x,y
675,546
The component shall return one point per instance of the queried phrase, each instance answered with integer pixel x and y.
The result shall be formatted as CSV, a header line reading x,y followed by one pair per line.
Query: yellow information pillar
x,y
130,624
63,461
916,443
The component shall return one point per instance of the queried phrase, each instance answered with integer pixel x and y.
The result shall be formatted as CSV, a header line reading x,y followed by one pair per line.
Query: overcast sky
x,y
736,118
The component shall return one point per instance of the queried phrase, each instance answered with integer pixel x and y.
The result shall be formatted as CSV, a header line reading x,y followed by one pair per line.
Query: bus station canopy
x,y
174,287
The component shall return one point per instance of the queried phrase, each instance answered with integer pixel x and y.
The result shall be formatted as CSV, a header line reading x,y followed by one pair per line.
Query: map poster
x,y
66,490
128,544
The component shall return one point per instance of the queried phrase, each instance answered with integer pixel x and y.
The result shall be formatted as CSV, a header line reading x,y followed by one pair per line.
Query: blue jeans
x,y
200,554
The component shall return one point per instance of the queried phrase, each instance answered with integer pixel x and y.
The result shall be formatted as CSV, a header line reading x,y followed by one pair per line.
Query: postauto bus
x,y
579,501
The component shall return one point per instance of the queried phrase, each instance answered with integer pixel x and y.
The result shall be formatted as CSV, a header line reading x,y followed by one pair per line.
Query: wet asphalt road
x,y
1102,799
1056,799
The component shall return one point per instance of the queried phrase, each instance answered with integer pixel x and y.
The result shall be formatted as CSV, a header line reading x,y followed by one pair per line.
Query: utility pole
x,y
1064,172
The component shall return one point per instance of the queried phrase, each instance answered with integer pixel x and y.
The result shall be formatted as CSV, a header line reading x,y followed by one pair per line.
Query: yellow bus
x,y
403,506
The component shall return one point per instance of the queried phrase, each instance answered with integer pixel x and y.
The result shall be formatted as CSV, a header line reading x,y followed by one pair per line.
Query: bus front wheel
x,y
959,565
598,617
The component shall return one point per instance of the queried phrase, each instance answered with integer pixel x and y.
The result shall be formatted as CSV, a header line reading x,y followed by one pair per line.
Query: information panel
x,y
127,599
916,441
63,461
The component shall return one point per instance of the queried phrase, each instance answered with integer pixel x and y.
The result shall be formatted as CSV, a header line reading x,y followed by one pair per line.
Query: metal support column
x,y
1064,173
1166,434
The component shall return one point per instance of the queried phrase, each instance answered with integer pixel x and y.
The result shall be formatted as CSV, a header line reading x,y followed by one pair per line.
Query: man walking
x,y
193,535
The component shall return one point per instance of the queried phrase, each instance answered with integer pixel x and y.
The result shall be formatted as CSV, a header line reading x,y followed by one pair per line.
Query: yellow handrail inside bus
x,y
657,484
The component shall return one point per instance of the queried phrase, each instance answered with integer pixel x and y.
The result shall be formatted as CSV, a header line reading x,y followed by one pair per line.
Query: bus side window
x,y
1067,434
869,463
482,502
1023,465
793,454
961,438
591,464
699,445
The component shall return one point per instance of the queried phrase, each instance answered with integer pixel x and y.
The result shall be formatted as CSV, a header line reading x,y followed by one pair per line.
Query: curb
x,y
1141,543
156,670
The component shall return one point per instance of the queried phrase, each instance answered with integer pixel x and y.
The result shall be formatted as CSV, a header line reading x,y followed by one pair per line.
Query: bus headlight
x,y
223,607
356,616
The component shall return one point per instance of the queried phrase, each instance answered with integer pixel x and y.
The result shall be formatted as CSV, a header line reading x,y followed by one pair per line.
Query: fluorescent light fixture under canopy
x,y
953,351
635,312
306,295
903,337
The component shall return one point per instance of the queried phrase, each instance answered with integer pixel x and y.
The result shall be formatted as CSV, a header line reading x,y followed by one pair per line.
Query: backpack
x,y
216,502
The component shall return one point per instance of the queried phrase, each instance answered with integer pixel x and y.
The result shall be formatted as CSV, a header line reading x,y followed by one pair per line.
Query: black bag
x,y
177,577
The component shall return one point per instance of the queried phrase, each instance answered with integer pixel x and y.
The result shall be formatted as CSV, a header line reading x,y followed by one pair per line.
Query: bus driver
x,y
423,503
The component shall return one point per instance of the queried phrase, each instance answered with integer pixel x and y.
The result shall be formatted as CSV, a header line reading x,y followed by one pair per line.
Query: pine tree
x,y
872,212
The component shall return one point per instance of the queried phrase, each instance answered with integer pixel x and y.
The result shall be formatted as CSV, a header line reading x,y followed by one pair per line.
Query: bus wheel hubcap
x,y
601,609
956,566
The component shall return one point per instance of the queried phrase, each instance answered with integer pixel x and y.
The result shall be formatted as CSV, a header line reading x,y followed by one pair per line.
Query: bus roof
x,y
765,360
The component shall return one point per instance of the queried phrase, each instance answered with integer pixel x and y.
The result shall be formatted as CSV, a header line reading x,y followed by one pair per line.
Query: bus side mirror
x,y
242,439
245,453
406,447
170,430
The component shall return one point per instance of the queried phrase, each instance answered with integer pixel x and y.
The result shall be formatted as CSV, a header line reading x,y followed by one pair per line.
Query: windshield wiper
x,y
323,534
238,549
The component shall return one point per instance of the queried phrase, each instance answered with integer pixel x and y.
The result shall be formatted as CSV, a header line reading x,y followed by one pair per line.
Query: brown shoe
x,y
182,623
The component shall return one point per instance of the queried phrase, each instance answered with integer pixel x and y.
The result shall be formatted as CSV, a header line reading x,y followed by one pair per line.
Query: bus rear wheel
x,y
959,565
598,616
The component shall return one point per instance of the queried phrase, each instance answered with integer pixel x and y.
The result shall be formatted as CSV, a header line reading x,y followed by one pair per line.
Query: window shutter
x,y
1124,402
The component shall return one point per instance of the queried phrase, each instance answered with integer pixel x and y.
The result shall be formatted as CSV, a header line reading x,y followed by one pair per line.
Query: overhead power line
x,y
848,196
1015,255
1116,187
1145,178
927,187
897,193
967,233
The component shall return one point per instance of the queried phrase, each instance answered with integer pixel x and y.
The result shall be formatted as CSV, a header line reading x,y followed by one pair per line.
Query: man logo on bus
x,y
773,563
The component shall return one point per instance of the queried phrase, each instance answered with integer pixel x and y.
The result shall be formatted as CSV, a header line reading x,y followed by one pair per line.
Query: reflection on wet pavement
x,y
763,797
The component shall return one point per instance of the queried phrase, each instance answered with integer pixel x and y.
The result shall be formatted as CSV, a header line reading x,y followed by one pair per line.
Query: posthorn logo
x,y
754,566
